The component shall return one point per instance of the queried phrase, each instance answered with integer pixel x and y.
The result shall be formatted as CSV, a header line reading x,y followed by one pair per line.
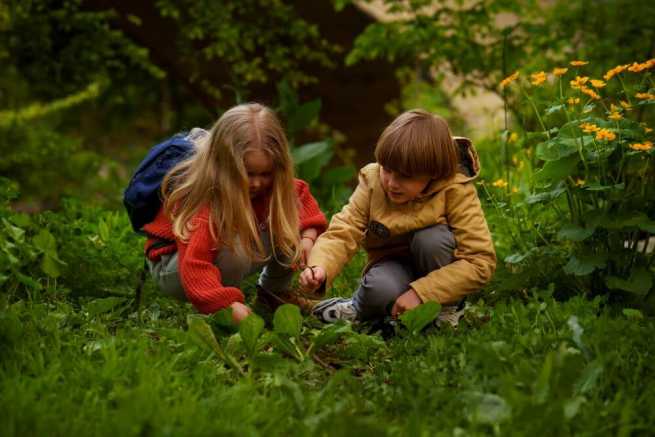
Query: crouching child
x,y
417,214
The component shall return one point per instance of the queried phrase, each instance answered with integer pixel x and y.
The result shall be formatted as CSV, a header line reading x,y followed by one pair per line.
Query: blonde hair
x,y
215,175
418,143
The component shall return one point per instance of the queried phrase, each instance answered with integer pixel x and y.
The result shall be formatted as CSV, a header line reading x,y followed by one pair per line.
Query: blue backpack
x,y
142,196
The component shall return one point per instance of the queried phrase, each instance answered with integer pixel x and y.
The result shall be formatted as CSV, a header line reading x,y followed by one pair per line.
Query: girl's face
x,y
259,166
402,188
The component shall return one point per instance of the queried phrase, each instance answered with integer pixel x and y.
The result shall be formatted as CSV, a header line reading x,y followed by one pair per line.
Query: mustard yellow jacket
x,y
384,229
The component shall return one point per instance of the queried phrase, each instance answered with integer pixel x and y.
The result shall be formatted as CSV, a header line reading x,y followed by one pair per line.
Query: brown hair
x,y
215,175
418,143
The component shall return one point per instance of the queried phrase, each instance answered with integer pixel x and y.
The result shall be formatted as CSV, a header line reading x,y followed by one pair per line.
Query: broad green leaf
x,y
581,265
287,345
287,320
202,332
16,233
418,318
330,335
632,313
45,242
223,319
21,220
556,149
640,282
546,196
250,329
516,258
310,151
338,175
558,170
50,266
574,232
311,158
100,306
28,281
553,109
303,116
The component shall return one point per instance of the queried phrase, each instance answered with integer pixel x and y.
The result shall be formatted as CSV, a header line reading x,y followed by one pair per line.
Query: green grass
x,y
77,359
516,368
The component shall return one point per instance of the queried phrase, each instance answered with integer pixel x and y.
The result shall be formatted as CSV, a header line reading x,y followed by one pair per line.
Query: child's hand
x,y
312,277
405,302
239,312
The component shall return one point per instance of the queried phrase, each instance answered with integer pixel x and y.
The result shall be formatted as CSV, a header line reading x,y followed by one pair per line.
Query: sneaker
x,y
449,314
335,309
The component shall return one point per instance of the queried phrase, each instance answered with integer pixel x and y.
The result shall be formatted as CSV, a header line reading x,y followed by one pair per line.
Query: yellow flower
x,y
509,79
642,147
515,190
579,182
597,83
615,116
638,68
579,81
500,183
579,63
645,96
538,78
589,127
573,101
625,105
513,137
614,71
591,93
648,130
605,134
557,71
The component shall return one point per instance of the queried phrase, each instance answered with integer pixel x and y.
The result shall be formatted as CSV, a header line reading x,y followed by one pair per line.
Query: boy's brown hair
x,y
418,143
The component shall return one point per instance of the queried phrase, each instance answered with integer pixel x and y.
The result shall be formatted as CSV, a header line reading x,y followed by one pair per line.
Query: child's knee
x,y
384,282
434,244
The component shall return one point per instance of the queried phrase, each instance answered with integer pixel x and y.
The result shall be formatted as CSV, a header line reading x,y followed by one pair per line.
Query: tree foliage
x,y
484,40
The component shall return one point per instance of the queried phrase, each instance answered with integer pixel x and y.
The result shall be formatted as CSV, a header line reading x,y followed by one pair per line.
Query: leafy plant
x,y
595,173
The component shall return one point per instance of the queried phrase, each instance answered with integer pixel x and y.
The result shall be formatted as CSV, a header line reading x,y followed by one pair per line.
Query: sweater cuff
x,y
223,299
317,222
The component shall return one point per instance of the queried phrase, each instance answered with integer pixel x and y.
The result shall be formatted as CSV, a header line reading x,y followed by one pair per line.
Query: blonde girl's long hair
x,y
215,175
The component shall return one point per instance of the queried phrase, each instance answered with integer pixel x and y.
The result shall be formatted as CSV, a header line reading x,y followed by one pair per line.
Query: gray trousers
x,y
430,249
234,267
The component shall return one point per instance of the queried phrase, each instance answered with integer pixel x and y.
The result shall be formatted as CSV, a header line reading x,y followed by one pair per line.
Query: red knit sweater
x,y
199,276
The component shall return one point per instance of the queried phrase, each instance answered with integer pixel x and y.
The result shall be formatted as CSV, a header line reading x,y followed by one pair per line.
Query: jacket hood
x,y
468,168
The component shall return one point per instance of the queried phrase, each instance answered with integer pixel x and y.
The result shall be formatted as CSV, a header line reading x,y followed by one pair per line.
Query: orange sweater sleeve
x,y
310,214
200,278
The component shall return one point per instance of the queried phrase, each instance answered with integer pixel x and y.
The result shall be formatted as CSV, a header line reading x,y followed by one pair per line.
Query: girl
x,y
229,210
417,214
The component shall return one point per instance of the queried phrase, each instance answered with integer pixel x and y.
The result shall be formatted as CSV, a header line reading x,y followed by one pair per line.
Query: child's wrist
x,y
308,237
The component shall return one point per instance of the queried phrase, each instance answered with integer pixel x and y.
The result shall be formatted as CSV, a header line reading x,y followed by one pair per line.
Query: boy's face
x,y
402,188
